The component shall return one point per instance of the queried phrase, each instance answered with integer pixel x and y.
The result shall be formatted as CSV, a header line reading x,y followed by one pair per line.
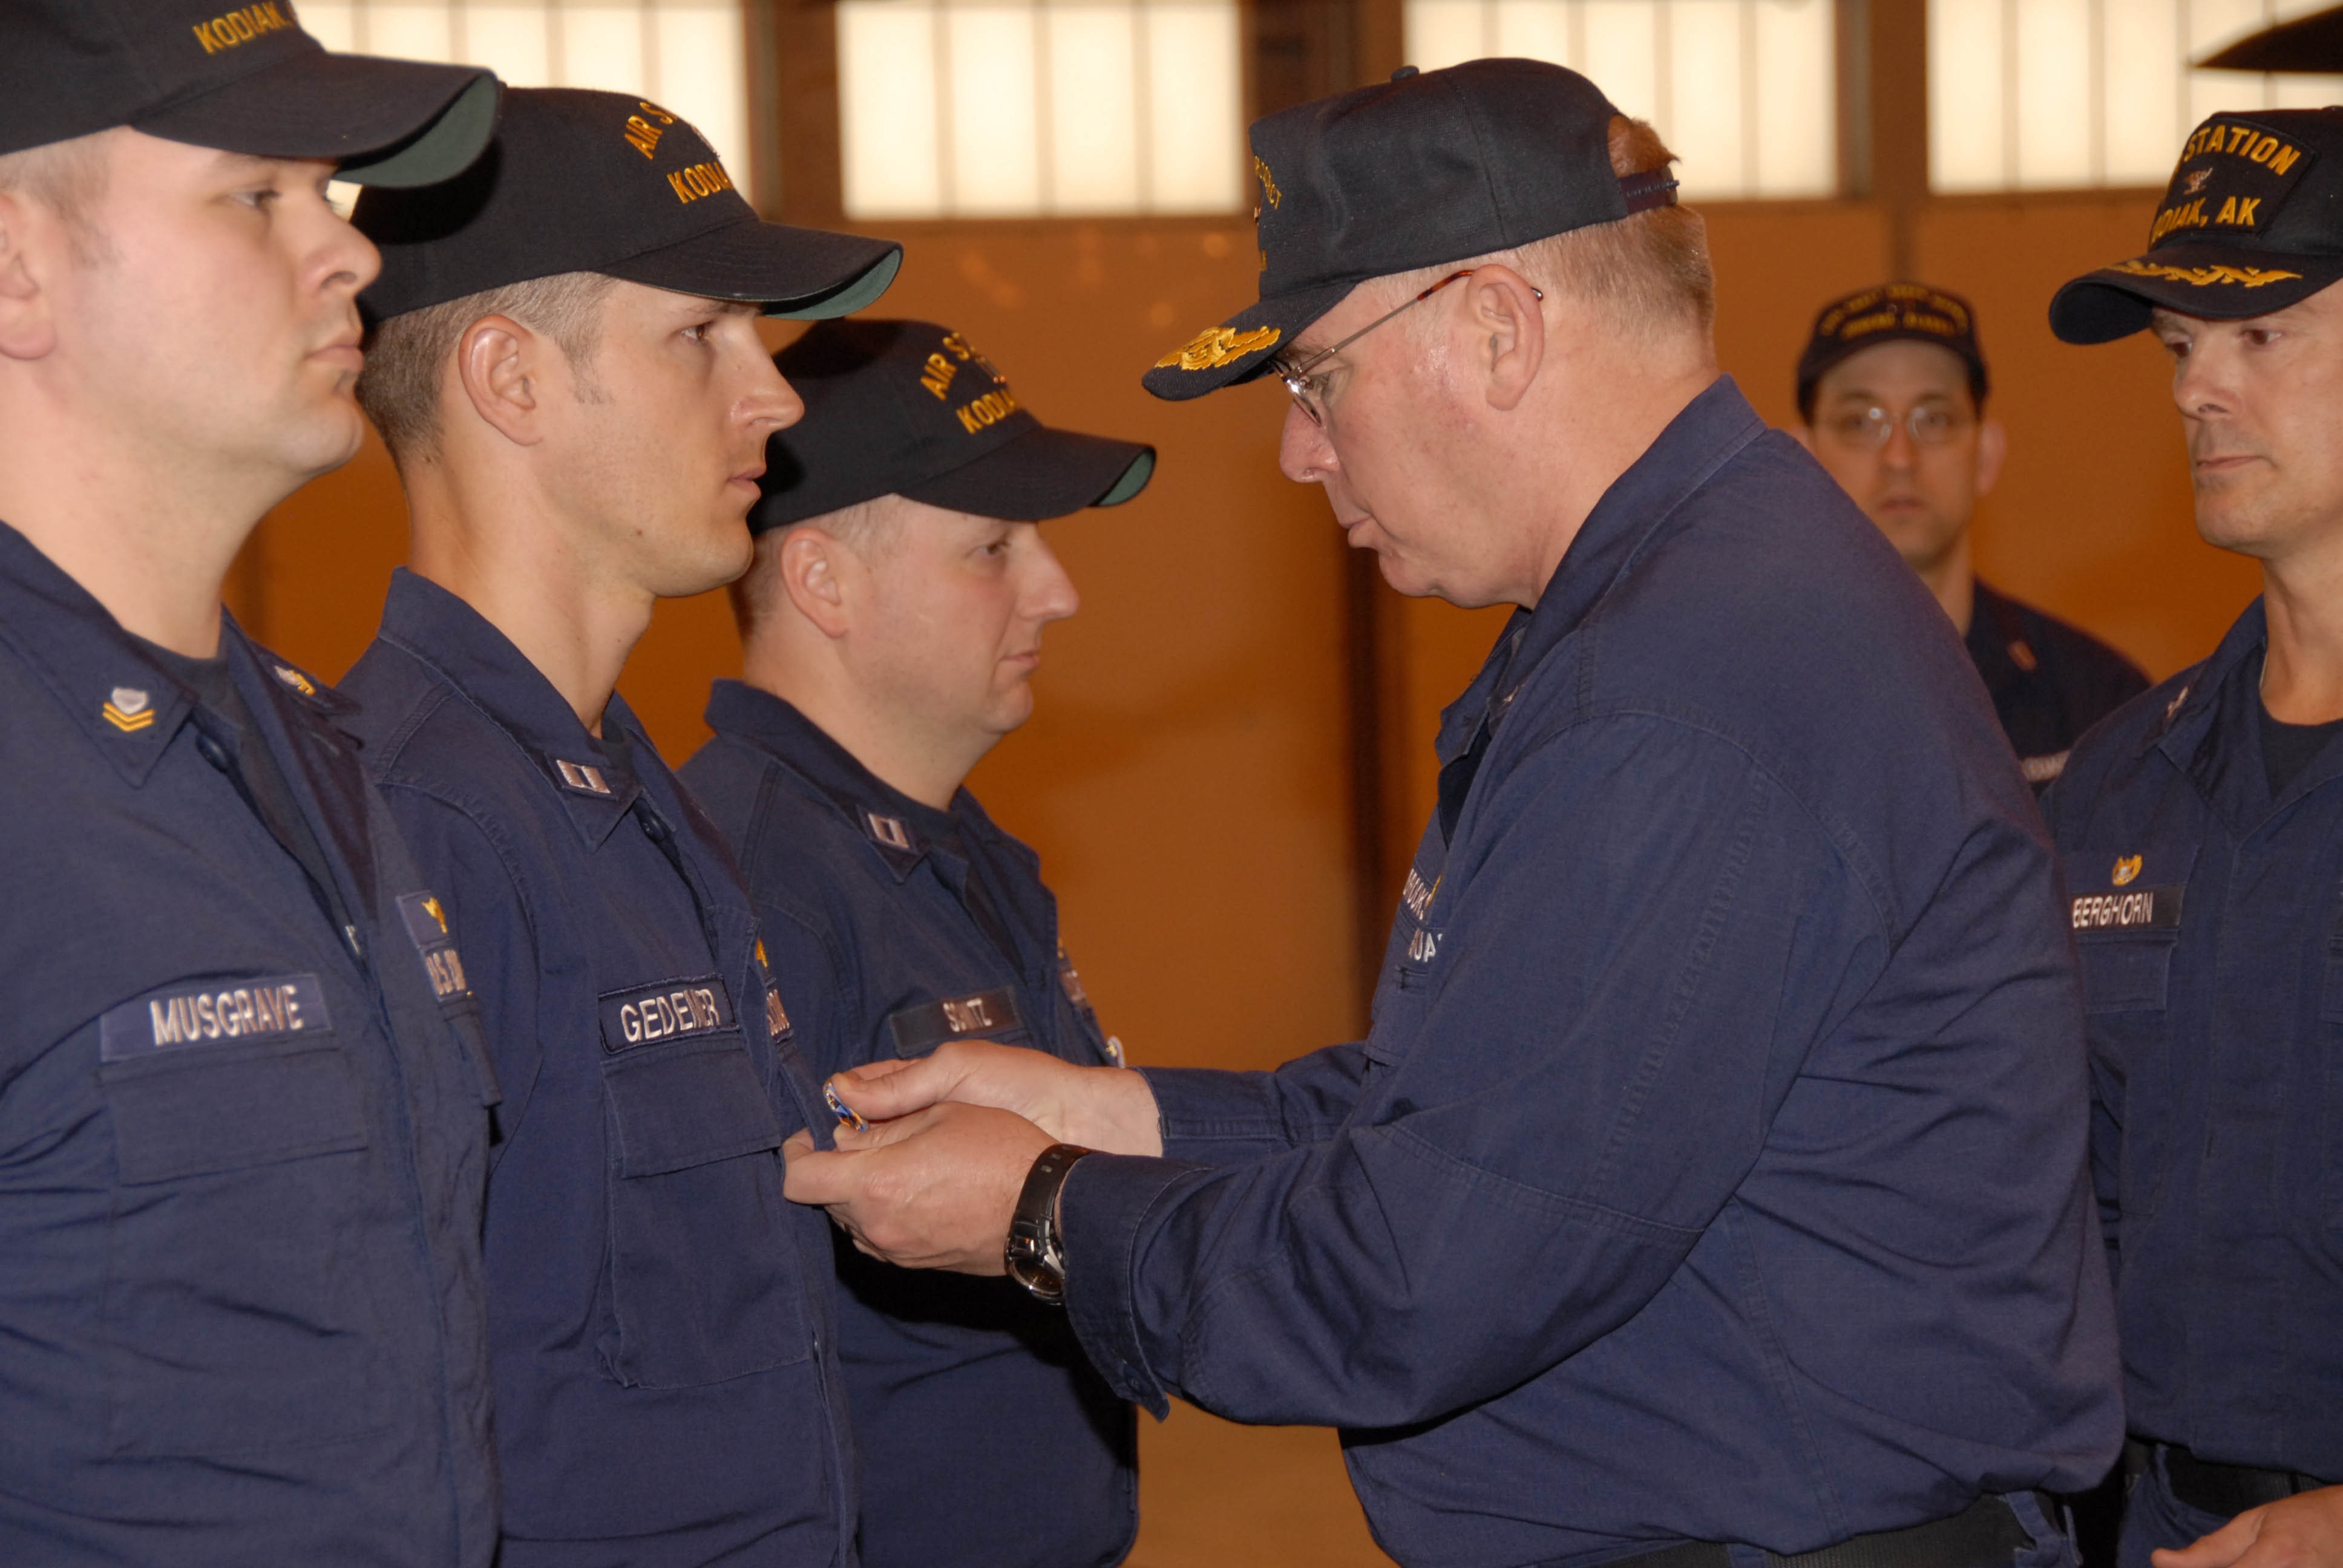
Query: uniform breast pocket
x,y
703,1278
2127,909
234,1288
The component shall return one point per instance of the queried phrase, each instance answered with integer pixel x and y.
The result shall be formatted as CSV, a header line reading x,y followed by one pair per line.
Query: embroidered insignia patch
x,y
2206,276
1217,346
672,1010
923,1028
273,1007
427,928
128,709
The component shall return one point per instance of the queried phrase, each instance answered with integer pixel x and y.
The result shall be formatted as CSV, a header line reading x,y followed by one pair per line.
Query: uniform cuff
x,y
1101,1210
1212,1116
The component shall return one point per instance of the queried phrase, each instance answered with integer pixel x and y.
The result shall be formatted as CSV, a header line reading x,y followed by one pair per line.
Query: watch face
x,y
1030,1267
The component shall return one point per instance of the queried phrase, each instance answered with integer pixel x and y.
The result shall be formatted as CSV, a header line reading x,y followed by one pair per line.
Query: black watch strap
x,y
1035,1257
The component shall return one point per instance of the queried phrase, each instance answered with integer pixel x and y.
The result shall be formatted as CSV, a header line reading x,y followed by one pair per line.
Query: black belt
x,y
2229,1490
1981,1536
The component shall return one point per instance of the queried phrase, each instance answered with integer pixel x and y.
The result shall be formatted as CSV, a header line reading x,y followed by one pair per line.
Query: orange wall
x,y
1186,776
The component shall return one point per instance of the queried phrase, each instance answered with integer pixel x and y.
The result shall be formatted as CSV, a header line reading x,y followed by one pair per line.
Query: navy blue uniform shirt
x,y
242,1137
986,1439
1715,1166
658,1315
2049,681
2210,915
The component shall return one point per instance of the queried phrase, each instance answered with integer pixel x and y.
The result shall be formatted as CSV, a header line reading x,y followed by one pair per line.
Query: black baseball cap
x,y
909,409
241,78
1429,167
1914,312
580,181
2252,223
2312,43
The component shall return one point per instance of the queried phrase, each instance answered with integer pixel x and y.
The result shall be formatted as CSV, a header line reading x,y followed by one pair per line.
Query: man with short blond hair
x,y
574,388
1710,1183
242,1137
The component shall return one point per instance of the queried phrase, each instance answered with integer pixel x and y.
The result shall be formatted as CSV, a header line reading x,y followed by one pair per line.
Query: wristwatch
x,y
1035,1257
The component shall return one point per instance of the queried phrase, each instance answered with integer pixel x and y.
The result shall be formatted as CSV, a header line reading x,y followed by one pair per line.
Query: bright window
x,y
1744,91
687,55
2026,95
993,108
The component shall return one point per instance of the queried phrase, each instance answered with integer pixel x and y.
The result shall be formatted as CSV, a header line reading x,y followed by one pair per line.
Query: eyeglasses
x,y
1310,391
1869,429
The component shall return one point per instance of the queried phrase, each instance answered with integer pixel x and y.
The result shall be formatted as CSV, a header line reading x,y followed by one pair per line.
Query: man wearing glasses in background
x,y
1892,388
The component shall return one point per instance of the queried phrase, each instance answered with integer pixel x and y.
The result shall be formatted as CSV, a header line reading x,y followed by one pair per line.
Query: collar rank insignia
x,y
128,709
578,776
297,680
888,830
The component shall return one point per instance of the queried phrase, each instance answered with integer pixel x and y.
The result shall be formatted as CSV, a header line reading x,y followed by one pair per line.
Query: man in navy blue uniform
x,y
1892,388
568,372
890,627
2202,833
242,1137
1710,1183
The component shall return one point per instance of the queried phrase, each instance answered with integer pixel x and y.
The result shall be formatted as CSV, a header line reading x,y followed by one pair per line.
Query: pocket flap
x,y
2125,976
226,1108
700,1103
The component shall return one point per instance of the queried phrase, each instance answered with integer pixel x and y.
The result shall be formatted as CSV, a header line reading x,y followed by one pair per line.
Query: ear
x,y
811,565
502,368
1993,445
1508,327
28,328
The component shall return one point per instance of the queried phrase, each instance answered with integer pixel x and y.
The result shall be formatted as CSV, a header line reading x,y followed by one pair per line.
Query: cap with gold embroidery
x,y
2252,223
1912,312
1427,169
240,77
912,409
580,181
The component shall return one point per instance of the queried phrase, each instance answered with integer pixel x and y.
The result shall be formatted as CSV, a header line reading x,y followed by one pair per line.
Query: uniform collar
x,y
1633,512
903,831
108,681
1996,639
464,650
2211,732
2210,729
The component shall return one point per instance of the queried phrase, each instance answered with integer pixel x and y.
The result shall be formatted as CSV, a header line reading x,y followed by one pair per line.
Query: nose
x,y
770,403
1901,450
1304,455
1049,593
2200,379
